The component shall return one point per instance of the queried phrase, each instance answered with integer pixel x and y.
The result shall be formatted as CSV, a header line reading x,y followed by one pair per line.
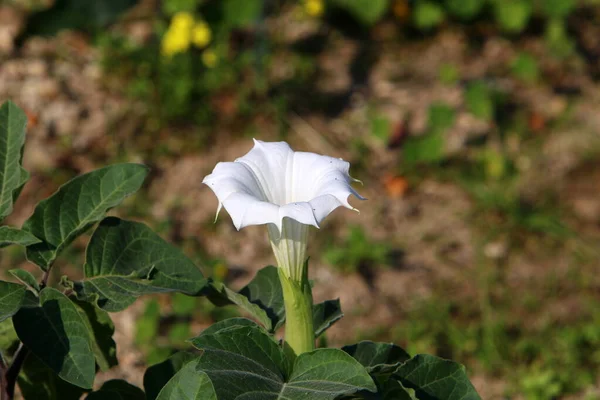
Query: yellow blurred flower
x,y
178,37
182,20
314,8
201,34
209,58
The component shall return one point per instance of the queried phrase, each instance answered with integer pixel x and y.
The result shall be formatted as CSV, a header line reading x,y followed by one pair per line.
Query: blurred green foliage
x,y
356,251
429,147
188,74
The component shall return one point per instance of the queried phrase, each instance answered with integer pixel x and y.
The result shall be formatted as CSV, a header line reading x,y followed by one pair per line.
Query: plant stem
x,y
3,383
297,297
9,378
14,369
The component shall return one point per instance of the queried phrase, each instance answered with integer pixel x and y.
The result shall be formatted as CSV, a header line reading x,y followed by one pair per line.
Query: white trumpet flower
x,y
287,190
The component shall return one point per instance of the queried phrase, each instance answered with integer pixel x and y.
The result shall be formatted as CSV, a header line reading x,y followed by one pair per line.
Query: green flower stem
x,y
297,297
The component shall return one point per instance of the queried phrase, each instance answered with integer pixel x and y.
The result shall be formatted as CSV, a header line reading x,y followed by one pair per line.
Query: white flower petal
x,y
272,182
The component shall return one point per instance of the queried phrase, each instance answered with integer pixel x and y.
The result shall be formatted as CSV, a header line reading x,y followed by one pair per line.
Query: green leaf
x,y
326,314
427,15
188,384
245,361
56,333
26,278
12,138
243,341
377,357
10,235
117,389
479,100
434,378
12,297
38,382
226,324
157,376
101,329
367,12
513,15
262,298
127,259
76,206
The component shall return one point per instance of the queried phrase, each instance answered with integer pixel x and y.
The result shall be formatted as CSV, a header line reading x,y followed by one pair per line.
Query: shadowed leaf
x,y
434,378
56,333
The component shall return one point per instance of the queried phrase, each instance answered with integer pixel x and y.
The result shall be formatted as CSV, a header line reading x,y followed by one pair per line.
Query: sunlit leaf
x,y
9,235
244,362
12,138
27,279
76,206
189,384
12,297
126,259
157,376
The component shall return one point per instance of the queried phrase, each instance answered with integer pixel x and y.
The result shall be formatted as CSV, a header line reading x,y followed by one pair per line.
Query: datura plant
x,y
57,334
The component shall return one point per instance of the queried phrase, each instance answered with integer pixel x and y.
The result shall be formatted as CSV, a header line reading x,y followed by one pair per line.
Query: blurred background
x,y
474,125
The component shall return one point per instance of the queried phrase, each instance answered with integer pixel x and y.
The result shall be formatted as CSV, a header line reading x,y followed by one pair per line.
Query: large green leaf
x,y
12,297
189,384
244,341
367,12
57,334
12,138
10,235
157,376
244,362
38,382
117,389
77,205
262,298
101,330
434,378
127,259
377,357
